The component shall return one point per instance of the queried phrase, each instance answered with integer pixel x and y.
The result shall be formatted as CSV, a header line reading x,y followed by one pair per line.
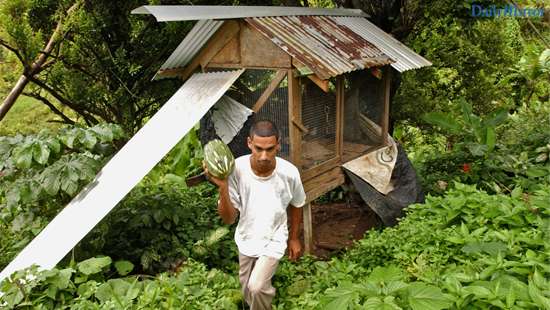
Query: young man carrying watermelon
x,y
258,191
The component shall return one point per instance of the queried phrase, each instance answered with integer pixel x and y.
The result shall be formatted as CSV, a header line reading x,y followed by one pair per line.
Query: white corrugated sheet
x,y
229,117
146,148
191,45
165,13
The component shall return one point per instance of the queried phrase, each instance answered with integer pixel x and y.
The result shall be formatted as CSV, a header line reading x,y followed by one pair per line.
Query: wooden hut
x,y
323,75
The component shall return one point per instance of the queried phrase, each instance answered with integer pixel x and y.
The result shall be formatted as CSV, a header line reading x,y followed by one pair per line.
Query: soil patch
x,y
337,225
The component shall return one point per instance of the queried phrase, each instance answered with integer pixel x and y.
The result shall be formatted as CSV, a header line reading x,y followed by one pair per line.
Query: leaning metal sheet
x,y
148,146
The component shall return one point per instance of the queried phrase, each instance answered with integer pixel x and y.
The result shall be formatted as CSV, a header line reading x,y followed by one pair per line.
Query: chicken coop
x,y
322,75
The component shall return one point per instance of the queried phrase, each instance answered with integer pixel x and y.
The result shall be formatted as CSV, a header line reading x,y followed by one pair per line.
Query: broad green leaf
x,y
492,248
23,159
62,279
478,291
123,267
85,290
93,265
537,296
377,303
496,118
298,287
477,149
443,120
40,153
536,172
490,139
427,297
386,274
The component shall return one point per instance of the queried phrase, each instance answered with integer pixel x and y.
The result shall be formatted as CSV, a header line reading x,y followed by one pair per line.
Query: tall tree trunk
x,y
35,68
13,95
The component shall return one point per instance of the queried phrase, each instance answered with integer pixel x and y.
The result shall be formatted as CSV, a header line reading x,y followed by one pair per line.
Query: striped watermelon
x,y
218,158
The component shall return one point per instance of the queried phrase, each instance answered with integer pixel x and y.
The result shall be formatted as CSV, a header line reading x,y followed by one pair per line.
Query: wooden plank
x,y
308,228
257,50
229,54
279,76
294,112
323,84
320,169
226,65
328,181
304,70
300,126
386,114
322,179
226,33
340,116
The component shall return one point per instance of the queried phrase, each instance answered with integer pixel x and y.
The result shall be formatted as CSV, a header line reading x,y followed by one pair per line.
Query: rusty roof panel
x,y
319,42
405,58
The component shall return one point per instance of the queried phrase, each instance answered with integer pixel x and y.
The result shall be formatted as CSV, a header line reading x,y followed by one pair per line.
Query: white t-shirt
x,y
262,204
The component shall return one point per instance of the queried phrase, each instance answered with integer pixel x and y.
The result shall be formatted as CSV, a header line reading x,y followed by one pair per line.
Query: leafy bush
x,y
158,227
466,249
88,285
40,173
497,158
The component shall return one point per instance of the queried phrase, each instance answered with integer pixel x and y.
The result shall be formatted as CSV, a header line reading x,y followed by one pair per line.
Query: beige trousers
x,y
255,275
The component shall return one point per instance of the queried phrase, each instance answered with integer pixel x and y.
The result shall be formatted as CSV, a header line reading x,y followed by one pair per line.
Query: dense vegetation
x,y
476,126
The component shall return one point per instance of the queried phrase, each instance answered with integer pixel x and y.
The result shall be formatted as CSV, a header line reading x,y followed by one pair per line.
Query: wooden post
x,y
295,135
386,114
340,117
308,229
294,116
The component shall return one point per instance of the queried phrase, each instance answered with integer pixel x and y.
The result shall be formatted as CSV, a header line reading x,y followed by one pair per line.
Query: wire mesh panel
x,y
248,89
363,112
319,117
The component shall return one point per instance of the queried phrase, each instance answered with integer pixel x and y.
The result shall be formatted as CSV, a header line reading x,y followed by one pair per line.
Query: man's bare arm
x,y
294,244
226,210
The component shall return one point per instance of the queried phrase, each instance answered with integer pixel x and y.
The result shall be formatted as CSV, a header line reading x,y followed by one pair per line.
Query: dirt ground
x,y
337,225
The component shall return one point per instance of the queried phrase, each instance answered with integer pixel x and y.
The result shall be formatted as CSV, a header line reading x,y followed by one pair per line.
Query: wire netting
x,y
248,89
319,117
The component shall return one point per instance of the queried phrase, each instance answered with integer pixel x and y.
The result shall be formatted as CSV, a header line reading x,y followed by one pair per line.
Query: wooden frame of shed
x,y
273,43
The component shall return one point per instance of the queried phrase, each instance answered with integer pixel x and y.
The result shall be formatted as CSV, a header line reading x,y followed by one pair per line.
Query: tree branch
x,y
89,118
50,105
13,50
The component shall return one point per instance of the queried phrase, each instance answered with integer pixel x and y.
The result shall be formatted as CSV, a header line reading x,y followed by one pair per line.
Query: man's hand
x,y
294,249
218,182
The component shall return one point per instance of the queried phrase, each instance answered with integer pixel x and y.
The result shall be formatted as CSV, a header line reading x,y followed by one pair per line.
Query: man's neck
x,y
261,174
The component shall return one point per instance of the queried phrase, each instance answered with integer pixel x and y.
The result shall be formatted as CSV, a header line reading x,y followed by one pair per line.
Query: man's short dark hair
x,y
264,128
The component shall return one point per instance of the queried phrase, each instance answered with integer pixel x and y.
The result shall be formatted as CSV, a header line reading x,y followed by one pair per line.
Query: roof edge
x,y
165,13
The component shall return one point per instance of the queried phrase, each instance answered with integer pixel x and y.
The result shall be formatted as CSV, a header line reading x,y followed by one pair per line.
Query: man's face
x,y
264,150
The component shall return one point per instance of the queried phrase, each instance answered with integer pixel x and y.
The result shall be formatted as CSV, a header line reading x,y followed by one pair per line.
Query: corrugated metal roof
x,y
327,48
406,58
191,45
164,13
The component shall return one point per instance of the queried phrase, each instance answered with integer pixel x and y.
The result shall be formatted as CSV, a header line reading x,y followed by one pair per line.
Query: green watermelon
x,y
218,158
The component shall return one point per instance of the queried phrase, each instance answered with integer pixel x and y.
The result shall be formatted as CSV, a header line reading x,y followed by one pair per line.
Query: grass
x,y
28,116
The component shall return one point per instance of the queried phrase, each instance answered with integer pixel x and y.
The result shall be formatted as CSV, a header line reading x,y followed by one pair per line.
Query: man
x,y
259,190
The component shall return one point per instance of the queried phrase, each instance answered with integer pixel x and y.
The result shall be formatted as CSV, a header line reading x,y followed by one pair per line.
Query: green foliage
x,y
466,249
88,286
40,173
496,152
156,227
471,59
476,134
184,160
